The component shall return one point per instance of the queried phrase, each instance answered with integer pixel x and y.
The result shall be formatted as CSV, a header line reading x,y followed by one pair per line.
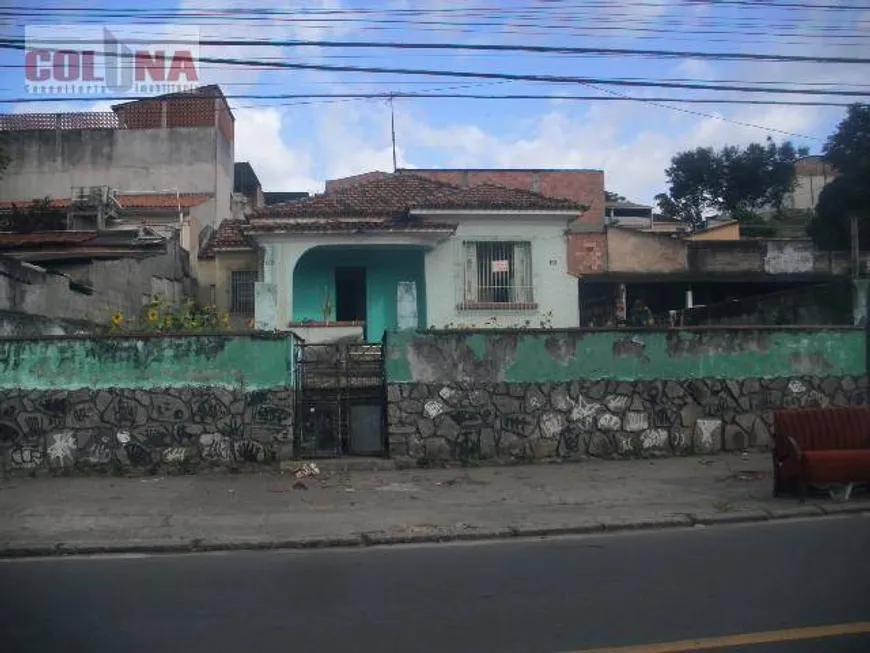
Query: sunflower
x,y
118,319
153,315
225,319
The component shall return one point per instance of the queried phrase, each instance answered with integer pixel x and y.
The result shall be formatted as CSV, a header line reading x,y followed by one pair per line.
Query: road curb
x,y
374,539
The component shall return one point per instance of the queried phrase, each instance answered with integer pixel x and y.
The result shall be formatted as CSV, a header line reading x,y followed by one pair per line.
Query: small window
x,y
242,288
498,273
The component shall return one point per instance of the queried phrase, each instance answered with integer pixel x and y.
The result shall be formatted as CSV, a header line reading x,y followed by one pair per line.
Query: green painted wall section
x,y
520,357
314,276
185,361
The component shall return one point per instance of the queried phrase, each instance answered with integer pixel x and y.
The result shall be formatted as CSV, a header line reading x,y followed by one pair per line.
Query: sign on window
x,y
500,266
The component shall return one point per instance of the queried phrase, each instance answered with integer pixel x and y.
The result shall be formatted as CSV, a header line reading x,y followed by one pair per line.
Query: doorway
x,y
350,294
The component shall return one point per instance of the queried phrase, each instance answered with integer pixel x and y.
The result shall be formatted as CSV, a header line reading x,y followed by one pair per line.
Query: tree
x,y
848,151
735,181
613,197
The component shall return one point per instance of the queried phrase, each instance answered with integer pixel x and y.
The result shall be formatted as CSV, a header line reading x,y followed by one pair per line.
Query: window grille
x,y
498,272
242,287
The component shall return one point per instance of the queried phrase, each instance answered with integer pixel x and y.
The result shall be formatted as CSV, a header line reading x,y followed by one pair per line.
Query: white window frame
x,y
485,285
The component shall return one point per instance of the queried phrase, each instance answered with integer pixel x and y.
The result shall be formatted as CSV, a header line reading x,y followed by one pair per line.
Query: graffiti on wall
x,y
603,418
142,429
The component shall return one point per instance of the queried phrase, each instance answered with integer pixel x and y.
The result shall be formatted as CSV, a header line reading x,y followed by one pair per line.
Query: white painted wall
x,y
554,289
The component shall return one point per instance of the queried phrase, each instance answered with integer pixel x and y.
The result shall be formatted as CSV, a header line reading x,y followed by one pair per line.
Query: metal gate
x,y
340,401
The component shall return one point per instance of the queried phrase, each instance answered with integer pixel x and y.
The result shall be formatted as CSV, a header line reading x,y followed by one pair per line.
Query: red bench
x,y
820,445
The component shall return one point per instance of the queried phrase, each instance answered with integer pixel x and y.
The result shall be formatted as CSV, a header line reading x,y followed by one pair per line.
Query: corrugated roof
x,y
400,193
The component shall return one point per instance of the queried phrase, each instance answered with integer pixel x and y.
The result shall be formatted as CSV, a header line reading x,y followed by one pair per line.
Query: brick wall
x,y
346,182
587,253
584,186
206,111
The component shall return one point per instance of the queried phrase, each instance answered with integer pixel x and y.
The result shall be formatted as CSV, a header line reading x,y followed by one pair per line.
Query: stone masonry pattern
x,y
147,430
602,419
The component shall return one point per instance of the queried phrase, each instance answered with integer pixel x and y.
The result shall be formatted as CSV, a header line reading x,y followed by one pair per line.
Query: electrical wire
x,y
392,45
585,81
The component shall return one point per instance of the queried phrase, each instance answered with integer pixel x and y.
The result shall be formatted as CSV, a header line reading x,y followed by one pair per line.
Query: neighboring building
x,y
676,276
280,197
179,145
404,251
247,184
228,269
628,214
53,276
716,230
812,174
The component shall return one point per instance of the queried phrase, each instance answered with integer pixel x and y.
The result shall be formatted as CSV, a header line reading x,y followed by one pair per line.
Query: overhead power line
x,y
472,47
439,96
427,72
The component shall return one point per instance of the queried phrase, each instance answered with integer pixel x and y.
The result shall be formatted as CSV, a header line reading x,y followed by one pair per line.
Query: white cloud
x,y
278,166
634,163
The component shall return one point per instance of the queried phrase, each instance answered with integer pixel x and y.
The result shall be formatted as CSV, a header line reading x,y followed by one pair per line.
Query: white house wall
x,y
555,291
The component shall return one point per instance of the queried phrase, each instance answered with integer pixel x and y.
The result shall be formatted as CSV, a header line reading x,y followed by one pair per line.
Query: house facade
x,y
404,251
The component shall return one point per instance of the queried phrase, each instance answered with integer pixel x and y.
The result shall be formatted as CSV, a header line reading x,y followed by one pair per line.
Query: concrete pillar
x,y
690,299
621,308
860,290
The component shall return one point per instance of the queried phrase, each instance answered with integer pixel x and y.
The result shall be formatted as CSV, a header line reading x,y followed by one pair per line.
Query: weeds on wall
x,y
160,316
544,321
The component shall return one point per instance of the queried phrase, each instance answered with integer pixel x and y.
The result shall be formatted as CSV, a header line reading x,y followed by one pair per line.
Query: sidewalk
x,y
270,510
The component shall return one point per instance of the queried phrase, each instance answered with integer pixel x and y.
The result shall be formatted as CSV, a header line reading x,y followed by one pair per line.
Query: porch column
x,y
274,295
266,293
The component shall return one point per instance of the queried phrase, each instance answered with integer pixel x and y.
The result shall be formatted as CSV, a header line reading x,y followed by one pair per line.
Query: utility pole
x,y
393,132
856,252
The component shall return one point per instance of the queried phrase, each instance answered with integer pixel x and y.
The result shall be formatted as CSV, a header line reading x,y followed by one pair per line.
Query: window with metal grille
x,y
498,272
242,287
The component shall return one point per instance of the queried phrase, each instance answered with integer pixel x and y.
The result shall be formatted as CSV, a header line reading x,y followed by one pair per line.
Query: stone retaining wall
x,y
147,430
527,395
602,419
146,402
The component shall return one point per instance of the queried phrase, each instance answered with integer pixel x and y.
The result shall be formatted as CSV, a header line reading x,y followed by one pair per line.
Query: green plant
x,y
160,316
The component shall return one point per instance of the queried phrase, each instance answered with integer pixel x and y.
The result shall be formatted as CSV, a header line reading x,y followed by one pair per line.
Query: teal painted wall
x,y
497,357
251,363
385,268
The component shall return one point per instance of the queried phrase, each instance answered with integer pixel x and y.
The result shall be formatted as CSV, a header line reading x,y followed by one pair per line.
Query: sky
x,y
297,144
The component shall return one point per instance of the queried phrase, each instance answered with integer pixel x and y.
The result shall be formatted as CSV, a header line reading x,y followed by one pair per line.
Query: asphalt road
x,y
548,596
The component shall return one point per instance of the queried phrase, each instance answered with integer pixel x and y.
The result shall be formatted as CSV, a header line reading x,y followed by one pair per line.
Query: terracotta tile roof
x,y
399,193
228,235
9,241
161,200
334,225
60,203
